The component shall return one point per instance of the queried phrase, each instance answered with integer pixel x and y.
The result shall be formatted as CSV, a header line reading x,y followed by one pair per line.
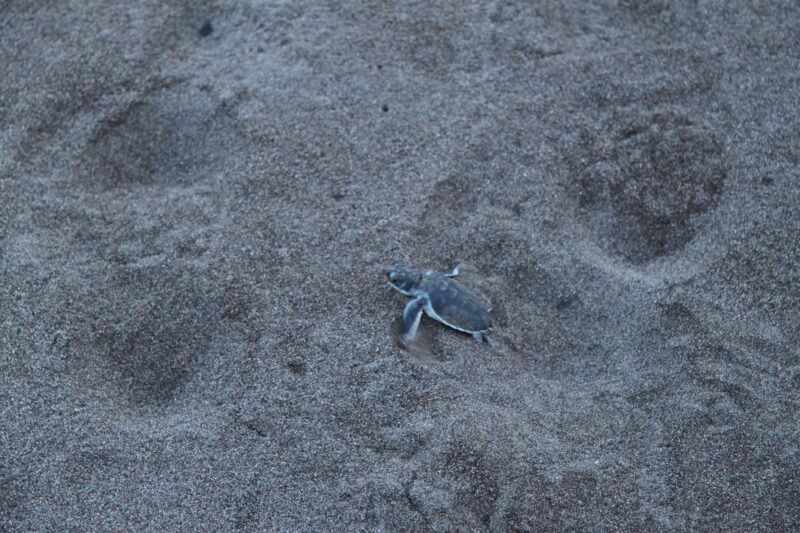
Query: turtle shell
x,y
454,305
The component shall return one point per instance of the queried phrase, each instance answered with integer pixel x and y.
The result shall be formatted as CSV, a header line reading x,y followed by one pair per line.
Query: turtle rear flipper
x,y
481,337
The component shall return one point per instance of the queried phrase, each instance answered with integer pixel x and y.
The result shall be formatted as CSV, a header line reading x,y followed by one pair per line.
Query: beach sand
x,y
197,204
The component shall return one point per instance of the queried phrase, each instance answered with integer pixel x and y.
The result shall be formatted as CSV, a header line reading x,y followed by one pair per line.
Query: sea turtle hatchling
x,y
441,298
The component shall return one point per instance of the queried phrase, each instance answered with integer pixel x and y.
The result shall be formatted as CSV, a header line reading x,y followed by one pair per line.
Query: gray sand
x,y
196,332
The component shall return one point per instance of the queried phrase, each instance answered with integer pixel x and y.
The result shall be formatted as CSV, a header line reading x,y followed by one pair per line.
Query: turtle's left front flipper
x,y
411,318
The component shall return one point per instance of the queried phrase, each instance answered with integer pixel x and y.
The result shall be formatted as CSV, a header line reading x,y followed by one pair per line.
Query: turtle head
x,y
403,278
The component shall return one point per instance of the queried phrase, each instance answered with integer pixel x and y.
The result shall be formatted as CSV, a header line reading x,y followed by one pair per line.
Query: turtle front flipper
x,y
411,317
453,273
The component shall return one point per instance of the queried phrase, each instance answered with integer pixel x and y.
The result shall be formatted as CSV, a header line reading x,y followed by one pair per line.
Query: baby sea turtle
x,y
441,298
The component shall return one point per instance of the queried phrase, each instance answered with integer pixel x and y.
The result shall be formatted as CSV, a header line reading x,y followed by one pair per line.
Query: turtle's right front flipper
x,y
411,317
